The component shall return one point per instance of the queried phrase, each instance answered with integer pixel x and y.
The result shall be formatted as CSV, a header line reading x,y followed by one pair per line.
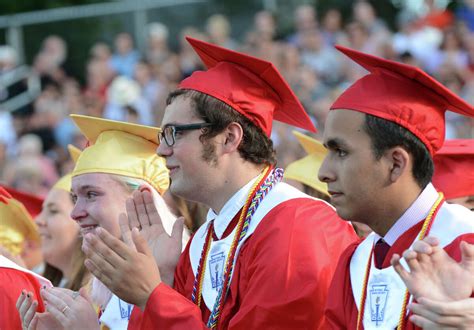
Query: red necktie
x,y
380,251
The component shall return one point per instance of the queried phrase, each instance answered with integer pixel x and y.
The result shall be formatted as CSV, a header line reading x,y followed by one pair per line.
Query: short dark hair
x,y
255,147
385,135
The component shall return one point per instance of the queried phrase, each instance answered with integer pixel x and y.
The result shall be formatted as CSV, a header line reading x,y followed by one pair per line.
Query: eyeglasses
x,y
169,132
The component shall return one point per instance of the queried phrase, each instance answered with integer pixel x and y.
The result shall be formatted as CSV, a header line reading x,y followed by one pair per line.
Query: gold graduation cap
x,y
123,149
16,222
305,170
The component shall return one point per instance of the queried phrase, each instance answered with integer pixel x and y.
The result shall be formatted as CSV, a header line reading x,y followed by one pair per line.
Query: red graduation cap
x,y
454,168
402,94
33,204
4,195
250,85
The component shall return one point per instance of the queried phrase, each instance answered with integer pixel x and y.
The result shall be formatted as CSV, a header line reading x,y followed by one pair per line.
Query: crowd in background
x,y
123,83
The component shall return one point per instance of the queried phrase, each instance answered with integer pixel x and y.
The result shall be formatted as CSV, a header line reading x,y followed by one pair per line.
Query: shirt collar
x,y
230,209
418,211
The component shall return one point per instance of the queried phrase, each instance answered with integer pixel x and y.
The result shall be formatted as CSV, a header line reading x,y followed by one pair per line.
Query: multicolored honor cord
x,y
263,185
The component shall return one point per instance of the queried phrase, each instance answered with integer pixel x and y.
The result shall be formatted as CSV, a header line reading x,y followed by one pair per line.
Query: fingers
x,y
401,271
63,294
178,227
132,213
427,319
140,243
111,248
411,259
422,247
422,311
25,304
33,323
141,209
26,307
422,322
153,215
99,272
100,254
459,307
20,299
85,294
30,313
125,229
431,240
57,311
467,255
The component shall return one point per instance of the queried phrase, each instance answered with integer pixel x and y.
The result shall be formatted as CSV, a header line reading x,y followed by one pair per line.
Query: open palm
x,y
143,214
436,275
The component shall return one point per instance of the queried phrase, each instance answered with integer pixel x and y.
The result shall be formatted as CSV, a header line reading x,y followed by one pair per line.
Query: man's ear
x,y
232,137
399,161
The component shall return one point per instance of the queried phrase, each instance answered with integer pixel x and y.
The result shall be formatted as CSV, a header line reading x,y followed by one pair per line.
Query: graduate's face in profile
x,y
58,232
354,177
99,199
190,174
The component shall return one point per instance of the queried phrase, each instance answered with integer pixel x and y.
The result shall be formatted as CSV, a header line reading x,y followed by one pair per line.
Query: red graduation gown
x,y
280,279
341,310
12,281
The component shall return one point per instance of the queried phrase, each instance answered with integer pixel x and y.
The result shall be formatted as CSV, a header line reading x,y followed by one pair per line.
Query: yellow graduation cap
x,y
121,148
16,222
74,152
305,170
64,183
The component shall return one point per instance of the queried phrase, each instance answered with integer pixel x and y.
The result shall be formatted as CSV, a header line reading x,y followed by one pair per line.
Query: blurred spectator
x,y
450,53
101,51
8,58
55,49
218,29
323,59
125,99
364,13
50,61
151,88
332,30
98,77
260,40
188,60
157,51
435,16
421,42
265,25
465,14
306,21
30,171
288,63
125,58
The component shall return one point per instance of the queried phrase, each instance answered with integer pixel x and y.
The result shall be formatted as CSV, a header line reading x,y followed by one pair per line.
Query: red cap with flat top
x,y
251,86
454,168
404,95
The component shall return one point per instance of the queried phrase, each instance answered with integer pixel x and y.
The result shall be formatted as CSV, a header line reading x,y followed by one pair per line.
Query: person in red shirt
x,y
15,280
382,133
266,255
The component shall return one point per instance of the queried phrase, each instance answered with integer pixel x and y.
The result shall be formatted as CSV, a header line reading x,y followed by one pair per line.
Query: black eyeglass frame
x,y
178,128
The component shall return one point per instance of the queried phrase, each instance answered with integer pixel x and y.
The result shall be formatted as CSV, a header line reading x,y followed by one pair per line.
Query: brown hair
x,y
255,147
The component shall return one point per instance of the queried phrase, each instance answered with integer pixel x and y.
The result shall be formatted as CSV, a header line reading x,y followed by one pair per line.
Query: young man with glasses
x,y
267,252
